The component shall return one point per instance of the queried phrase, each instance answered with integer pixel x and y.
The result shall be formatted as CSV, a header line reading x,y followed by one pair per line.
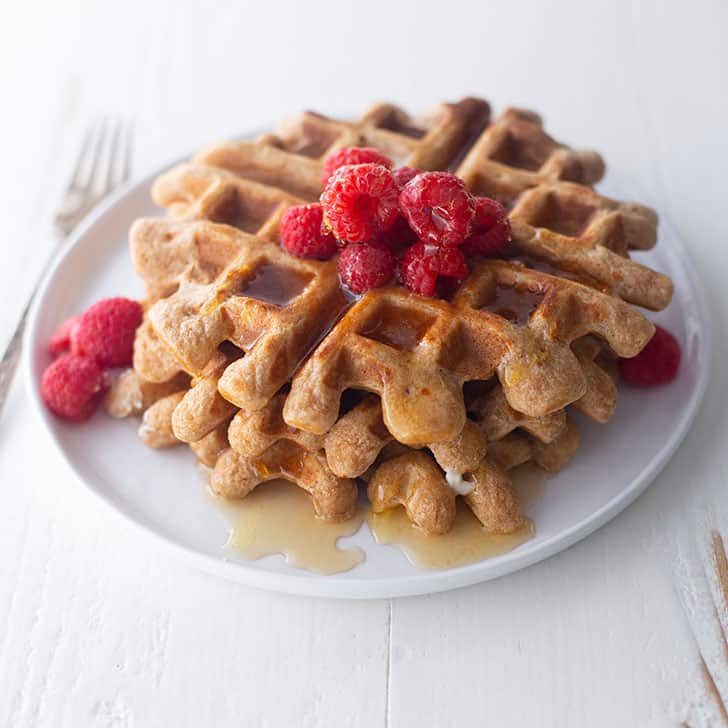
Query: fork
x,y
103,164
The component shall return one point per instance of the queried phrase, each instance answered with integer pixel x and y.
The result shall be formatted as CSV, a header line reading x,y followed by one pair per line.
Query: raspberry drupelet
x,y
403,175
431,271
363,266
302,234
353,155
360,202
491,230
438,207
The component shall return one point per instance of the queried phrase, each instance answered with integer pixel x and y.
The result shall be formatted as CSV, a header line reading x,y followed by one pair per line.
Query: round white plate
x,y
162,492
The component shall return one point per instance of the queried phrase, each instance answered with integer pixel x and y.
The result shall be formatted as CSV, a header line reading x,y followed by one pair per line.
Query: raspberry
x,y
60,342
656,364
353,155
105,331
363,266
72,387
403,175
400,235
302,235
360,202
491,229
430,271
438,207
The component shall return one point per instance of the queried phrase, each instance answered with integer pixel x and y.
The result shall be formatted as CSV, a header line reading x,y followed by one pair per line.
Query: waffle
x,y
413,480
131,395
200,192
417,353
293,158
270,305
556,220
259,362
334,499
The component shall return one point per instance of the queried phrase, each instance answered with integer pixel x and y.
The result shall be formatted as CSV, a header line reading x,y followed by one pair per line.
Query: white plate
x,y
162,491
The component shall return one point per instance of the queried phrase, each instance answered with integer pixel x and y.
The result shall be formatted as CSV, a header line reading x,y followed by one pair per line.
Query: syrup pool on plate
x,y
467,541
278,518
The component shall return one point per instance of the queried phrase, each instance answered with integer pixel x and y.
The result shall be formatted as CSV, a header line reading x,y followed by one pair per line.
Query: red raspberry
x,y
105,331
400,235
491,229
72,387
60,342
403,175
354,155
430,270
438,207
302,234
363,266
656,364
360,202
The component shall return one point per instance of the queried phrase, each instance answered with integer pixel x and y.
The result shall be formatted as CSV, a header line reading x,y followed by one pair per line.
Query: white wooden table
x,y
99,629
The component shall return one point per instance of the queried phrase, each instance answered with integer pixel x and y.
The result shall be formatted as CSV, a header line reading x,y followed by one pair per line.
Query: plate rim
x,y
338,586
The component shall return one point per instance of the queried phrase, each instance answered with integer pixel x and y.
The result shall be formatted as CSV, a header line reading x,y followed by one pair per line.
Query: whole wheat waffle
x,y
292,159
259,361
558,221
334,499
556,218
505,320
267,303
413,480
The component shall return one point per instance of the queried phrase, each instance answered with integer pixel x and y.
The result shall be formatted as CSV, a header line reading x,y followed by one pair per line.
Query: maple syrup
x,y
397,327
273,284
278,518
515,303
467,541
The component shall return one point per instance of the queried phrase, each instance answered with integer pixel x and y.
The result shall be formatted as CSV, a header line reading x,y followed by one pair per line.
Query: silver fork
x,y
103,163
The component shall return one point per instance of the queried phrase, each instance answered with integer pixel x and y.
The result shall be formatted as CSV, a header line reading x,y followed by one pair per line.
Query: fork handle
x,y
11,357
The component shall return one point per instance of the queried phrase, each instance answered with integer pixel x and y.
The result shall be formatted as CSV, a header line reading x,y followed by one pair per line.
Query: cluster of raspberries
x,y
84,348
417,227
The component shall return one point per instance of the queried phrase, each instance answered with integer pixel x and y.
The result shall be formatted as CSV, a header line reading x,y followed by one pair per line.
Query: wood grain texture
x,y
98,628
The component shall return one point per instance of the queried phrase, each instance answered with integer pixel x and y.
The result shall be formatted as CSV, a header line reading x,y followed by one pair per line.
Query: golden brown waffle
x,y
156,428
166,252
334,499
546,321
292,159
201,192
353,443
601,371
203,409
252,433
267,303
416,353
211,446
556,220
131,395
414,481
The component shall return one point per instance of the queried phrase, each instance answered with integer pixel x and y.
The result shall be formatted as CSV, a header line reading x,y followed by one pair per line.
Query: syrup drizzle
x,y
515,303
273,284
397,327
467,541
278,518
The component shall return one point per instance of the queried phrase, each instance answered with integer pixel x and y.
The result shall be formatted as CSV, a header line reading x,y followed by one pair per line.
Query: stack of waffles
x,y
268,369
